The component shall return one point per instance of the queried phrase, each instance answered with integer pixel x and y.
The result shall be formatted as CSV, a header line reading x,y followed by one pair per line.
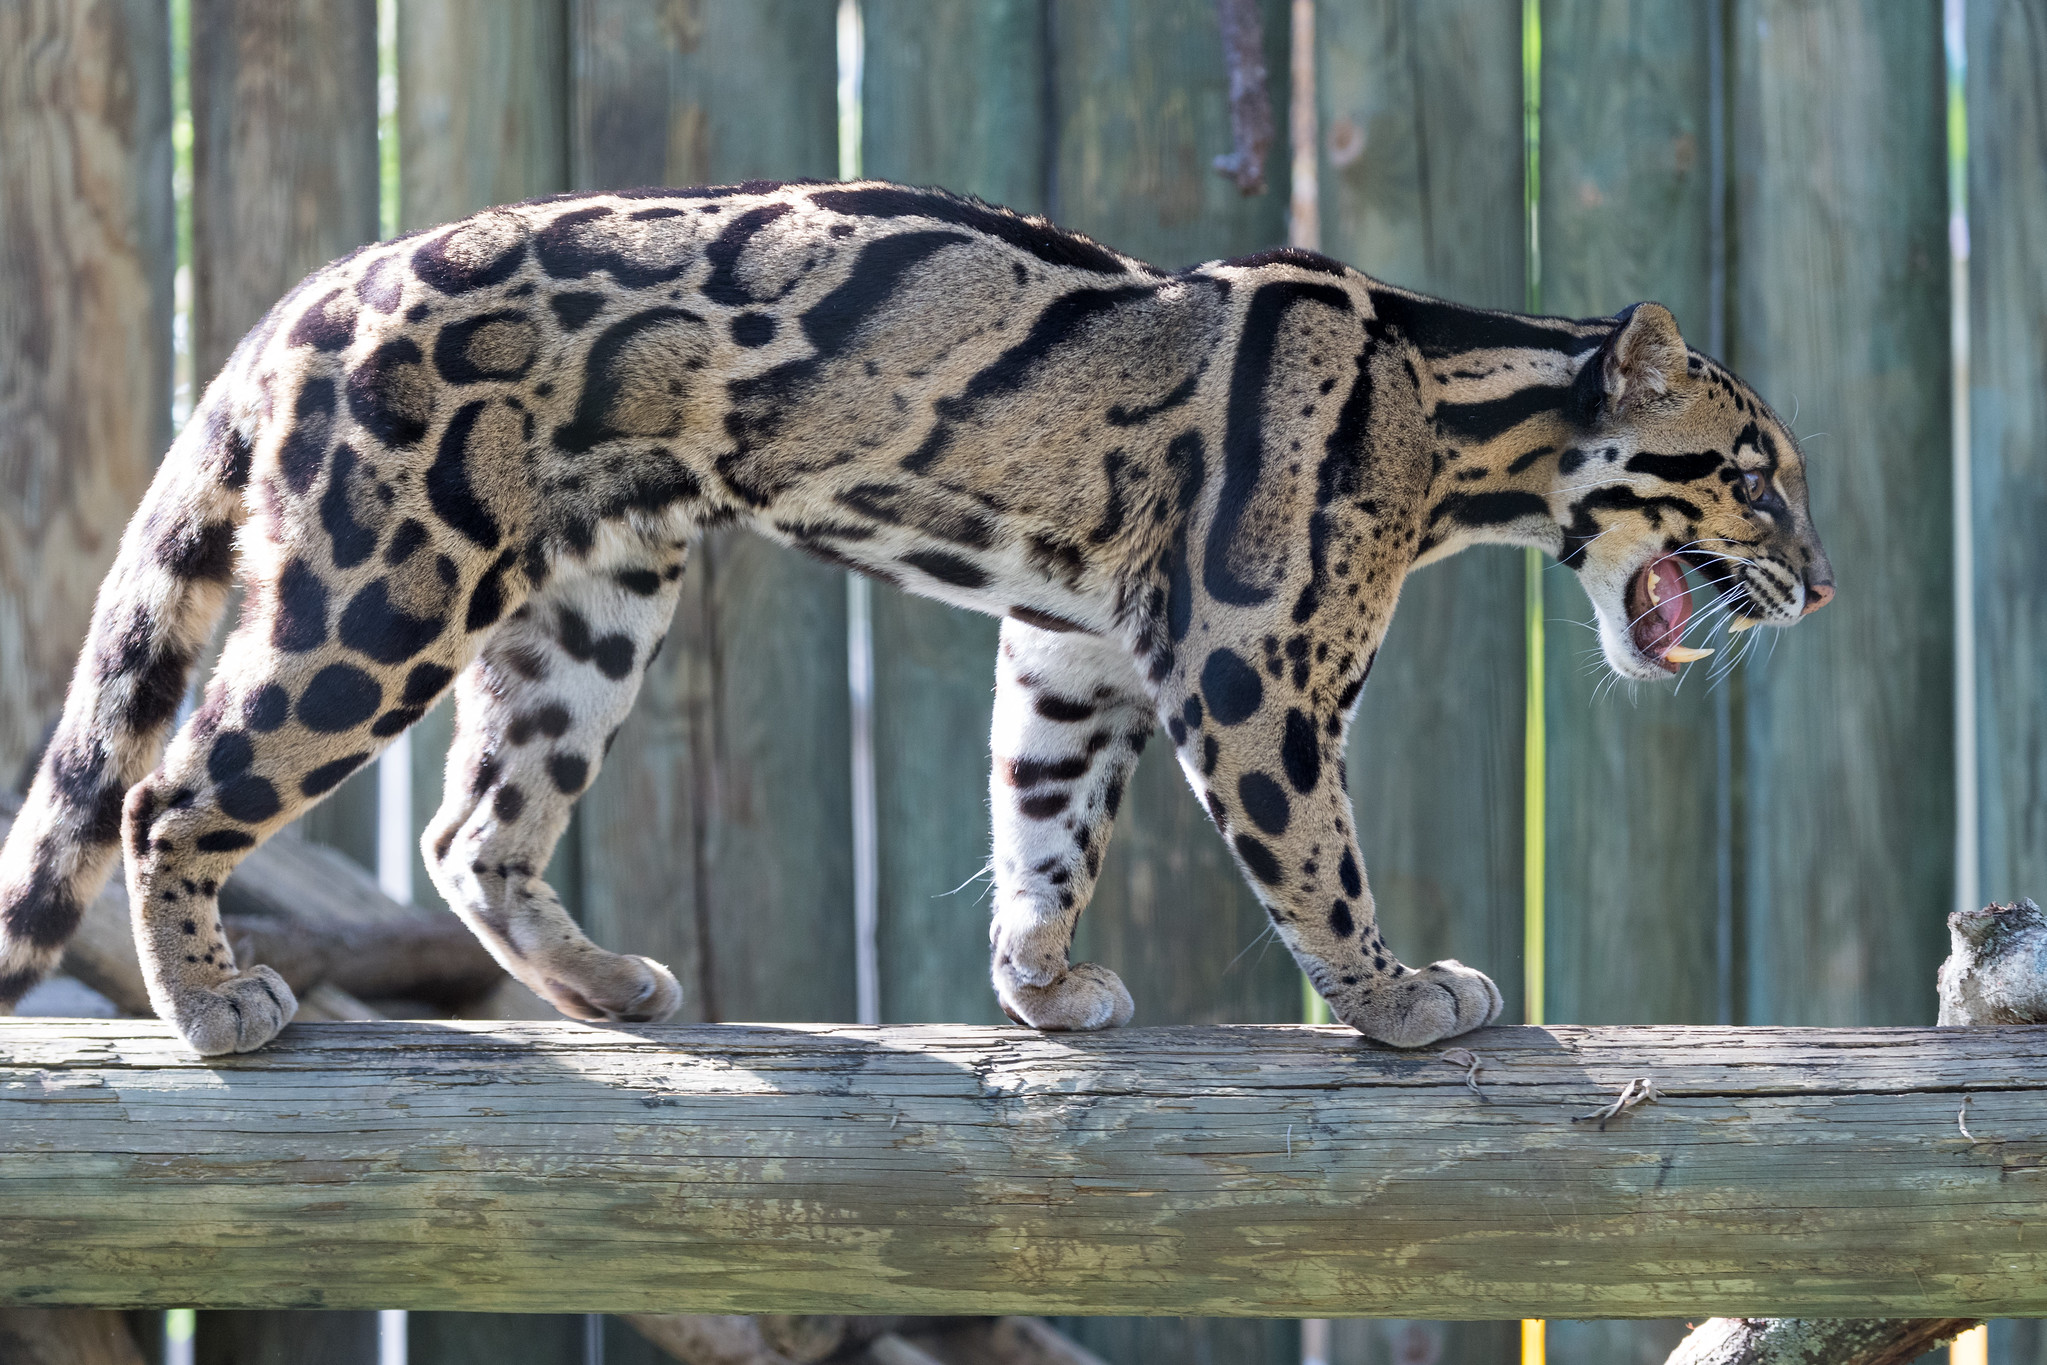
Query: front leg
x,y
1268,765
1070,719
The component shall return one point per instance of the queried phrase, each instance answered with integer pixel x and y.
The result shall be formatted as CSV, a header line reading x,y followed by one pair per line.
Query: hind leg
x,y
1070,719
534,716
282,725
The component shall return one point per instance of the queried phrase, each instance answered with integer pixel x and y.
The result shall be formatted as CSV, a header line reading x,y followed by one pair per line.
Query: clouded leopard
x,y
475,459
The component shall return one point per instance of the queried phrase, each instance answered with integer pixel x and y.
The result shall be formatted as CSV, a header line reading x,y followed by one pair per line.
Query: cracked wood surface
x,y
946,1169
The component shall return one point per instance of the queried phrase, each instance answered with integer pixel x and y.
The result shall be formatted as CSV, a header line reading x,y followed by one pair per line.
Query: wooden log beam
x,y
936,1169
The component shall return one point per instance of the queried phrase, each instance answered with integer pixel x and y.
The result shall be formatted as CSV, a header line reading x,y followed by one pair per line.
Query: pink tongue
x,y
1671,607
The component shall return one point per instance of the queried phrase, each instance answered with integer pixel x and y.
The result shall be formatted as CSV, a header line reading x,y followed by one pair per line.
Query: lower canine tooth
x,y
1681,654
1740,624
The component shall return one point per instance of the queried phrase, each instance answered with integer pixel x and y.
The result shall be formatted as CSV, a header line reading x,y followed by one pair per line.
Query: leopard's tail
x,y
156,610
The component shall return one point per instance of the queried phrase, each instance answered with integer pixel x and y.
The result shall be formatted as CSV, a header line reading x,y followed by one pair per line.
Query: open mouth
x,y
1659,608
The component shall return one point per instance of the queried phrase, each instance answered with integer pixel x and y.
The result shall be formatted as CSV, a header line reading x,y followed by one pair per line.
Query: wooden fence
x,y
1779,849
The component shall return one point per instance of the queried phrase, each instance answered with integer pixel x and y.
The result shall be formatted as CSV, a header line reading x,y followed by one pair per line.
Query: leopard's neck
x,y
1502,397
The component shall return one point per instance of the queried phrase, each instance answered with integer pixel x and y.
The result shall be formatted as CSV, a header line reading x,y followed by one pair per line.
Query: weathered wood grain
x,y
1840,319
86,256
951,95
1632,901
718,838
1236,1170
284,179
1421,185
2008,417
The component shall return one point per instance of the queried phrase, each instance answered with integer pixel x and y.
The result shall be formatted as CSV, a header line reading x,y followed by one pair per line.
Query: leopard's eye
x,y
1752,487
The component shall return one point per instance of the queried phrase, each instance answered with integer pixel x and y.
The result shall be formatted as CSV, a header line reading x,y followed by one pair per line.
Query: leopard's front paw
x,y
1440,1001
623,990
1084,997
239,1014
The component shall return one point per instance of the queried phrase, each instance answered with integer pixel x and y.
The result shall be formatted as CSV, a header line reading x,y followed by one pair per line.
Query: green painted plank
x,y
2008,420
718,838
1420,170
1421,185
1840,317
1139,108
1632,899
955,96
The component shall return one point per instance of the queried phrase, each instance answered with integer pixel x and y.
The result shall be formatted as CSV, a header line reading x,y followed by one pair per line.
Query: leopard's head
x,y
1682,502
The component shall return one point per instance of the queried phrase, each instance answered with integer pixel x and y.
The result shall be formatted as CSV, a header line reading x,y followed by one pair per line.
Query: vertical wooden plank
x,y
951,96
2008,420
1631,903
86,256
482,120
1421,185
1632,899
284,172
718,837
284,179
1139,109
1421,181
1841,317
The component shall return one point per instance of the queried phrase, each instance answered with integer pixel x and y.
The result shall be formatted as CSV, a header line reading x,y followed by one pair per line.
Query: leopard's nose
x,y
1817,595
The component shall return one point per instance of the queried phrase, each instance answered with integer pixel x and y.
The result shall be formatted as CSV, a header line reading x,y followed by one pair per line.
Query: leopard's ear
x,y
1644,360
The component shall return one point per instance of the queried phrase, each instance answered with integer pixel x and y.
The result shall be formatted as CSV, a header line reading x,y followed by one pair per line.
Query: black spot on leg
x,y
573,630
613,655
299,623
267,709
328,776
373,627
350,541
1340,922
1259,859
1043,807
640,582
304,449
1231,687
232,753
394,721
1347,873
425,682
509,803
47,913
1063,709
568,772
224,841
487,598
1300,752
1264,801
249,799
340,697
159,688
551,720
198,552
